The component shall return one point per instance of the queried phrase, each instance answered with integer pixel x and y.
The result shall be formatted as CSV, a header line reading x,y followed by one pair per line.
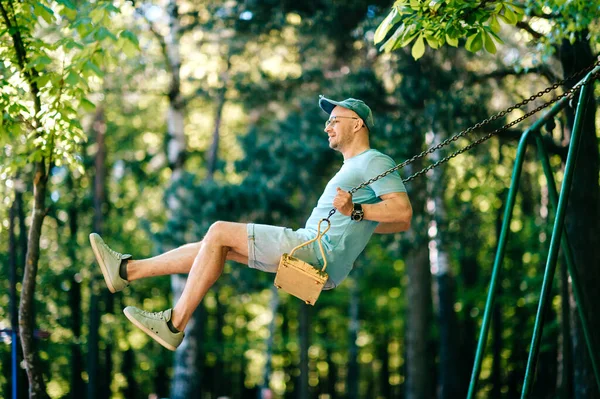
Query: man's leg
x,y
119,269
176,261
224,240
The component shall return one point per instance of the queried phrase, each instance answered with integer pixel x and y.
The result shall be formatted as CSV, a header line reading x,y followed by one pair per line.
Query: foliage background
x,y
102,66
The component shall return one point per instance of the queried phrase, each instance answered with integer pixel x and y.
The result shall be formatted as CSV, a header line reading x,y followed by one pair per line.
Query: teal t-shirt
x,y
346,239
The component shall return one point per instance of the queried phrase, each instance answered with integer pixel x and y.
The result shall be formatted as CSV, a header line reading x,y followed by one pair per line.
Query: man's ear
x,y
359,124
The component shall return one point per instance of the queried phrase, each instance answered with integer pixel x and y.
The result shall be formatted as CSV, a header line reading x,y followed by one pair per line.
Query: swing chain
x,y
568,93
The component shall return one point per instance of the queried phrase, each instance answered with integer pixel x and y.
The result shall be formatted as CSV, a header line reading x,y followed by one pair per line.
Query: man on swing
x,y
382,207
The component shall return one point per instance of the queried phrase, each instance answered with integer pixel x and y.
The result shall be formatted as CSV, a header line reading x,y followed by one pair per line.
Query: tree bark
x,y
96,387
37,388
443,283
353,373
273,305
304,332
581,222
186,377
14,317
77,385
418,294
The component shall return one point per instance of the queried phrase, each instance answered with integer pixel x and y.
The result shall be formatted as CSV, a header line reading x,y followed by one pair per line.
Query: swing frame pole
x,y
508,211
555,241
582,306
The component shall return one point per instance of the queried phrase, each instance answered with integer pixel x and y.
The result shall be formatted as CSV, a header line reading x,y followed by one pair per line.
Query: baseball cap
x,y
353,104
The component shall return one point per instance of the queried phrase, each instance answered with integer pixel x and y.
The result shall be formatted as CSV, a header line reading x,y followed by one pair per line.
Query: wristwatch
x,y
357,213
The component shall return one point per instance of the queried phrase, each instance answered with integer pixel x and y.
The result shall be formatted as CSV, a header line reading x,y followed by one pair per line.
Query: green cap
x,y
353,104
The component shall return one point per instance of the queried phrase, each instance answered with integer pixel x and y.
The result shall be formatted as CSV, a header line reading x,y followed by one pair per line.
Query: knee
x,y
215,231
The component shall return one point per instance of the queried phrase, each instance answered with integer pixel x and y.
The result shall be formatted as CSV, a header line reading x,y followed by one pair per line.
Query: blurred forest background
x,y
148,121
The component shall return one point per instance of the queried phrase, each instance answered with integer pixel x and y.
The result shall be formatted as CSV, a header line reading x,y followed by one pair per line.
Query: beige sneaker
x,y
110,262
155,325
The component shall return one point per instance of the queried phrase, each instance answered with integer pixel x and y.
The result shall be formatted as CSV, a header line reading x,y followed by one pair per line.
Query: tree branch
x,y
526,27
502,73
159,37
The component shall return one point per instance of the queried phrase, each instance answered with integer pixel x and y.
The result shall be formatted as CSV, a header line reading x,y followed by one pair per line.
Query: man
x,y
382,207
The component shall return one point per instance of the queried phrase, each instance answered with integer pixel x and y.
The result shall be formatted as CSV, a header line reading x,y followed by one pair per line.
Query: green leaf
x,y
452,41
129,49
509,16
408,36
67,4
87,105
519,11
477,42
390,44
418,48
489,43
131,36
103,33
382,30
432,42
41,60
494,24
495,36
73,44
469,43
91,67
73,78
40,10
97,14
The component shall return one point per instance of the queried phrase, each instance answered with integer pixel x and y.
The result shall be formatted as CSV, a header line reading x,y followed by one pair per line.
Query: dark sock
x,y
172,327
123,269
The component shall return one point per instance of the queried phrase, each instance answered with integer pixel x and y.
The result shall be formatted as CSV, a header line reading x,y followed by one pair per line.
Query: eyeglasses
x,y
334,119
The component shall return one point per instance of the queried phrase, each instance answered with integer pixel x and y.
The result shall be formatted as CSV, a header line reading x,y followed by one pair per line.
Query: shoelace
x,y
153,314
113,252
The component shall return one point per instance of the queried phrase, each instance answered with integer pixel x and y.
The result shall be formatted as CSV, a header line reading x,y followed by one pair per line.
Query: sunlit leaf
x,y
490,47
382,30
418,48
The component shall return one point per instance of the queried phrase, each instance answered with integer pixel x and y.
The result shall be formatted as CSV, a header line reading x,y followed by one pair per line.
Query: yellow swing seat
x,y
301,279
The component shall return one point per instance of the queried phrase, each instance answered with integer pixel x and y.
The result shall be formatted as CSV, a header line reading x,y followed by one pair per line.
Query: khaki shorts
x,y
267,243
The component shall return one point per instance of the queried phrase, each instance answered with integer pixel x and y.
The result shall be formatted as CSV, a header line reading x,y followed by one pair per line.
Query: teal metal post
x,y
508,210
568,254
555,241
556,108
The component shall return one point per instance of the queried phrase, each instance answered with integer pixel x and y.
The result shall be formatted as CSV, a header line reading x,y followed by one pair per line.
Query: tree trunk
x,y
186,378
37,387
383,354
77,385
96,387
581,222
27,303
418,294
213,153
273,305
353,374
443,286
331,375
304,332
14,317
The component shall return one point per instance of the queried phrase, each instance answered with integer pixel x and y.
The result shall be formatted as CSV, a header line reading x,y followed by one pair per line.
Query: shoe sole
x,y
149,332
103,267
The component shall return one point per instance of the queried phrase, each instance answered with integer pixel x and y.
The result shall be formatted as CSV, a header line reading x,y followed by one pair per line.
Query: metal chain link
x,y
568,93
547,90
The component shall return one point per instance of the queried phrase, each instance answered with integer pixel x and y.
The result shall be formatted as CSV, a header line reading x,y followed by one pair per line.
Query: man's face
x,y
340,127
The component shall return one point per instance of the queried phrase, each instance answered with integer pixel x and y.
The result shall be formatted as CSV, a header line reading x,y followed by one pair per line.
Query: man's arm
x,y
393,213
